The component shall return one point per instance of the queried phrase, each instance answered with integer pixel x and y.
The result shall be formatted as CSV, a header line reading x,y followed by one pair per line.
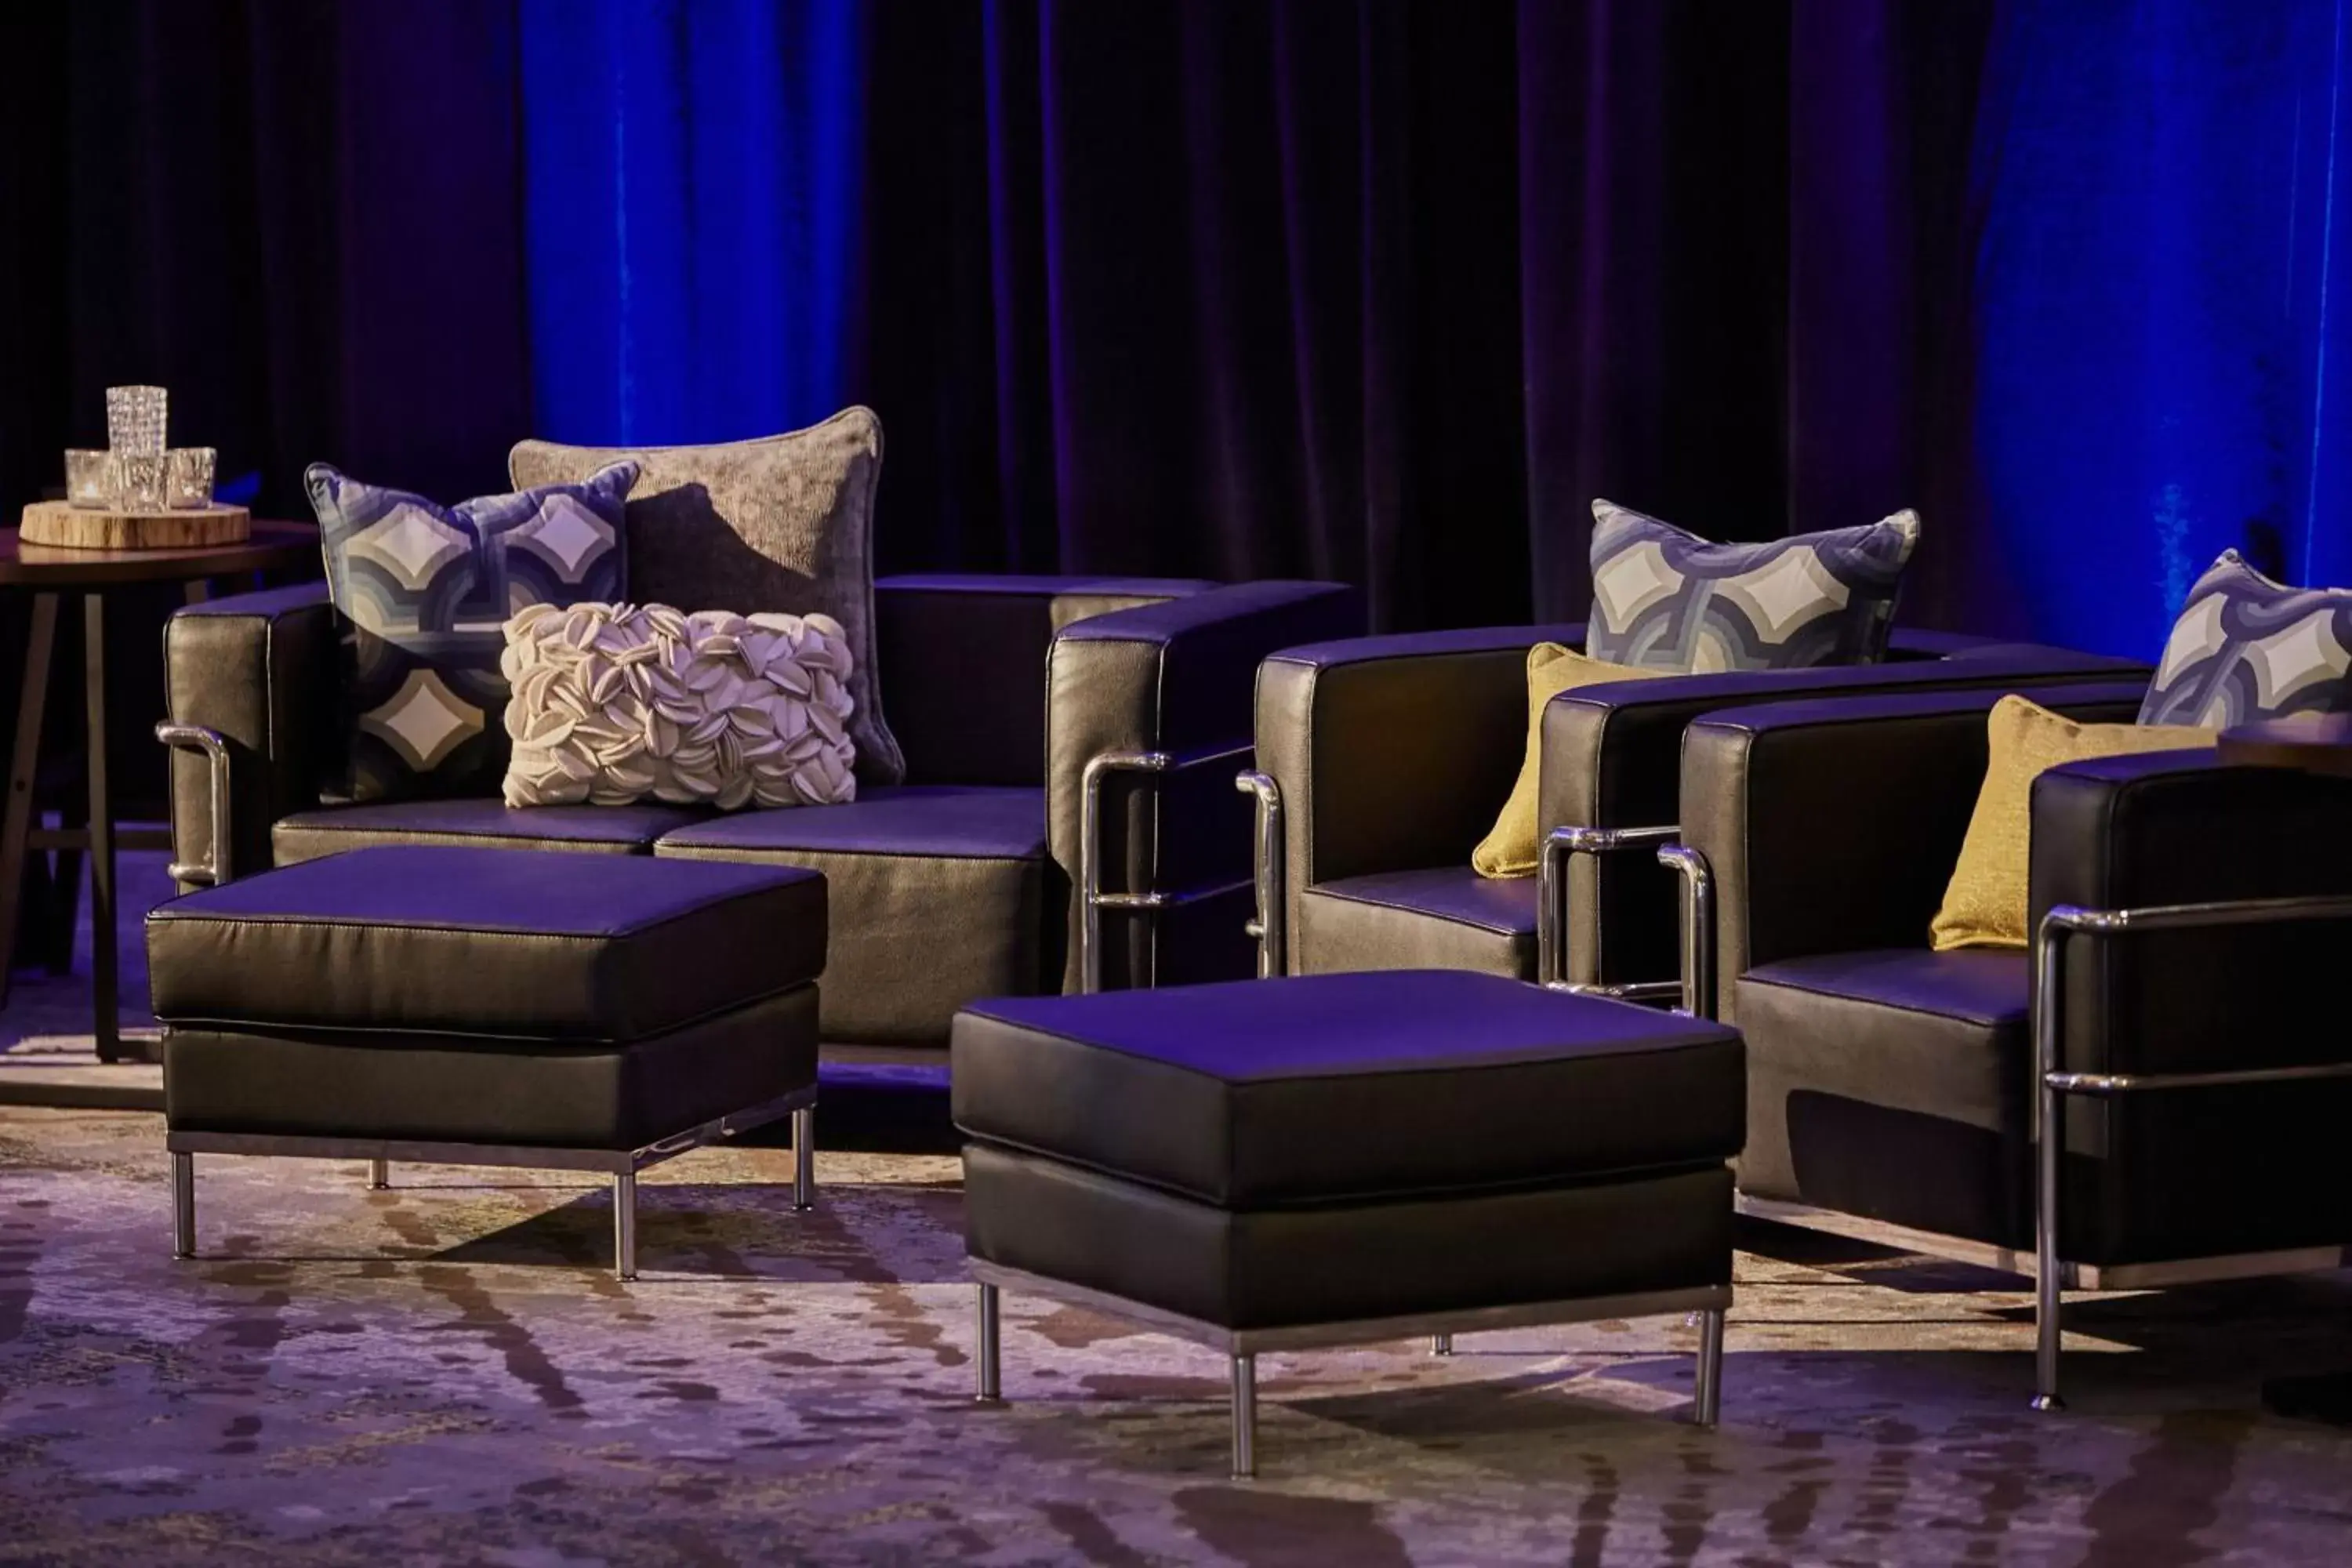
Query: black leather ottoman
x,y
1278,1164
477,1006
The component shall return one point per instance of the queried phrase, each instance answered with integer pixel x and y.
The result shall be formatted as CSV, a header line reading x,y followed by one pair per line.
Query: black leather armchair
x,y
2165,1018
1385,759
1063,735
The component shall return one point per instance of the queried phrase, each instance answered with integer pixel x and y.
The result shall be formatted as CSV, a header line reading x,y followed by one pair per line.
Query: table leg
x,y
24,766
102,977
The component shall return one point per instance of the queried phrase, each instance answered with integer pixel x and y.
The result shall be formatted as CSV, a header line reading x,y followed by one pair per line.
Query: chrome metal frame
x,y
1697,927
214,868
2051,1274
1267,926
1092,899
1551,907
622,1164
1243,1346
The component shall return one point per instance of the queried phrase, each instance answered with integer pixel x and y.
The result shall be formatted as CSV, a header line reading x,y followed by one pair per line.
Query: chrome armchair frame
x,y
1551,907
2051,1274
213,870
1146,903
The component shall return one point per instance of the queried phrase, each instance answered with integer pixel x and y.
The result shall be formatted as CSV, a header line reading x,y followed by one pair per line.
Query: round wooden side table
x,y
46,571
2315,743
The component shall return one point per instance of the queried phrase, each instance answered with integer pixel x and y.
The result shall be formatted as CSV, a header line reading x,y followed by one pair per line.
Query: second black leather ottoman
x,y
488,1006
1277,1164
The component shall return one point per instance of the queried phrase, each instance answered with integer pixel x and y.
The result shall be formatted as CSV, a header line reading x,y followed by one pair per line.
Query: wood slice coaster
x,y
55,522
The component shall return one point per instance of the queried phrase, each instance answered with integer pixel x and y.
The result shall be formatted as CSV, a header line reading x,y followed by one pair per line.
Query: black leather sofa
x,y
2171,1016
1387,758
1055,729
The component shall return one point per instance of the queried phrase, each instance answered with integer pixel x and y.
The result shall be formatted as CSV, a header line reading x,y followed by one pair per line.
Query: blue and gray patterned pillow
x,y
425,591
2246,648
1664,599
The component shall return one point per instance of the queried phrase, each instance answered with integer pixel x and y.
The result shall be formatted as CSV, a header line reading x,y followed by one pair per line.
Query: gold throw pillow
x,y
1986,903
1510,849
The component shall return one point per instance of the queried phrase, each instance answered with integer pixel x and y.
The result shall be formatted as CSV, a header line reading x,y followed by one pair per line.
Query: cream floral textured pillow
x,y
613,703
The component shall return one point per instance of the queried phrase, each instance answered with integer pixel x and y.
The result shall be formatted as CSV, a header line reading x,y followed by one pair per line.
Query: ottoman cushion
x,y
1347,1087
491,943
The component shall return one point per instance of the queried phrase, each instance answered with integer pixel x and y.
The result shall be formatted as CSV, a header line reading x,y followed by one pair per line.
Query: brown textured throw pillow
x,y
1985,904
784,523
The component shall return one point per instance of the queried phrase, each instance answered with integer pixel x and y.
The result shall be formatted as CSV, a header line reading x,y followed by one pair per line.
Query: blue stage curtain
x,y
2165,275
690,214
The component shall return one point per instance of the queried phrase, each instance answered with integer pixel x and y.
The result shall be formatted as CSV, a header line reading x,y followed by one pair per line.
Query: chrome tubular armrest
x,y
1552,904
1092,899
214,868
2053,1084
1699,928
1266,925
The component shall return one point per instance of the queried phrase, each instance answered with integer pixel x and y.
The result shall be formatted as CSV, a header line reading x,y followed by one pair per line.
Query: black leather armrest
x,y
2190,1173
1174,678
1833,824
1394,752
962,664
1612,758
262,669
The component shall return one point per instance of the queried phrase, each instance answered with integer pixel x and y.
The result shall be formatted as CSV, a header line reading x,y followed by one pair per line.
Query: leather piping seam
x,y
334,923
734,854
278,1028
1566,1181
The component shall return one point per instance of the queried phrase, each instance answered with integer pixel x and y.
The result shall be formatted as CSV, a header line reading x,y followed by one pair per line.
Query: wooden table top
x,y
2316,743
272,546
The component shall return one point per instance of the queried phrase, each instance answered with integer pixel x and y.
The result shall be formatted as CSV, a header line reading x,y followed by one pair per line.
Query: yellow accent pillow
x,y
1986,903
1510,849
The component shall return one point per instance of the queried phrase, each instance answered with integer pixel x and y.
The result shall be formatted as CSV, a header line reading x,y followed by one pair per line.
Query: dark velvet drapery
x,y
1386,291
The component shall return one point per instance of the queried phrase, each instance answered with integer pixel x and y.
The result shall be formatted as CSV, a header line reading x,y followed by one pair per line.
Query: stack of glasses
x,y
137,472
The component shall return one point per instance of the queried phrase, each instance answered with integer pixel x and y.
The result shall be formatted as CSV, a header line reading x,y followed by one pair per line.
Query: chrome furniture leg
x,y
1699,928
1440,1344
625,1224
183,1206
379,1175
1706,1406
804,1157
986,1337
1244,1417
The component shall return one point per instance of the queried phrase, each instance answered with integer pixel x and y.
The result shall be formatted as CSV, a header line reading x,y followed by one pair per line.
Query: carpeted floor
x,y
445,1373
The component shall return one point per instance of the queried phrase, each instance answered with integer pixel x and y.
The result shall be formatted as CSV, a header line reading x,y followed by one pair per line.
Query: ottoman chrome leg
x,y
625,1224
1706,1407
1440,1344
1244,1417
804,1156
379,1175
183,1206
985,1349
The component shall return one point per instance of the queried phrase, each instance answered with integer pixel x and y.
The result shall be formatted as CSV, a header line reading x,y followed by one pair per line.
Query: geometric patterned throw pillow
x,y
424,593
1664,599
2246,648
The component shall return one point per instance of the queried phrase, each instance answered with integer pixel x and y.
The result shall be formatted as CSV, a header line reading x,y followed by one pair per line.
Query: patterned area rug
x,y
446,1373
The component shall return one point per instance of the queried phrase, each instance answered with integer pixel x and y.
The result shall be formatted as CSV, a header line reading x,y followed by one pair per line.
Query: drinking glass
x,y
144,478
190,483
90,478
135,418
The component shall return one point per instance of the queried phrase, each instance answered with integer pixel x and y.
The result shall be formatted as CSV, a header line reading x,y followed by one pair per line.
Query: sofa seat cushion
x,y
1448,917
486,824
412,939
1327,1087
1894,1084
939,894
